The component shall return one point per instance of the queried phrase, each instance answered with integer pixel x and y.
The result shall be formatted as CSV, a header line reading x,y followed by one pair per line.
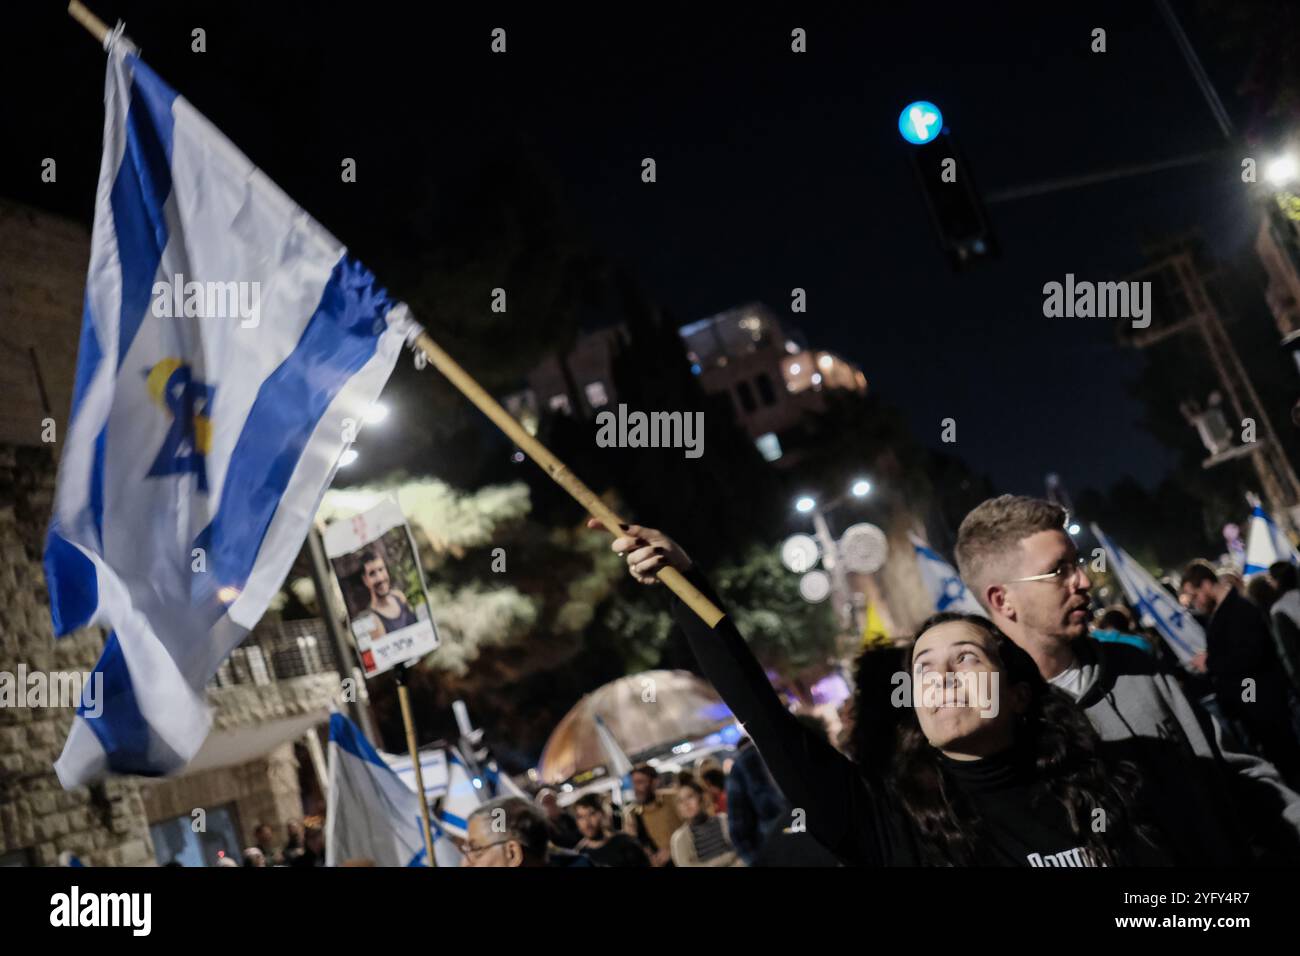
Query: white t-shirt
x,y
1070,680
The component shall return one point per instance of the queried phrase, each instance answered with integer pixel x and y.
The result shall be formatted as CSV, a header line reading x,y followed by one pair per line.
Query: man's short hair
x,y
369,555
1199,572
1283,575
522,822
646,770
1115,619
591,801
989,536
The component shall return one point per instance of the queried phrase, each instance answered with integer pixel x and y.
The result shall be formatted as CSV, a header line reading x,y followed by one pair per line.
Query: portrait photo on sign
x,y
383,588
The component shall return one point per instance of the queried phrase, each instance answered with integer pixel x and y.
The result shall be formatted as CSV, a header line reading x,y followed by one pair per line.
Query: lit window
x,y
559,403
596,396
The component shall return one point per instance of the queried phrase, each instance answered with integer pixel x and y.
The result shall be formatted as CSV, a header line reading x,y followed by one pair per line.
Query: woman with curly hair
x,y
990,766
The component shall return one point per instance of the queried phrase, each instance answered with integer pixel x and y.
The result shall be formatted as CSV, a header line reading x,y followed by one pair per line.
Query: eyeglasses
x,y
474,852
1063,574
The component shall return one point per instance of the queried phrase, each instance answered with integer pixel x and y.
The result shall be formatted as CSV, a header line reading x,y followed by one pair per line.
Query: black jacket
x,y
851,811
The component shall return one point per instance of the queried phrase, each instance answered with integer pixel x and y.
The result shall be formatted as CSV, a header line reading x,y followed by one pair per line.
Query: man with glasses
x,y
511,831
1014,555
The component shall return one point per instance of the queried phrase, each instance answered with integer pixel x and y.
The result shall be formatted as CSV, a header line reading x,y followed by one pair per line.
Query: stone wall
x,y
43,260
104,824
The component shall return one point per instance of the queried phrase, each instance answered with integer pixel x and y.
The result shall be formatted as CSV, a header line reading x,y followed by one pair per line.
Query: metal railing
x,y
279,651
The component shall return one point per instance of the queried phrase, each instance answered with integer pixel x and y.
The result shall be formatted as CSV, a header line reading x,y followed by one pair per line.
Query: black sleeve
x,y
844,812
630,852
1288,646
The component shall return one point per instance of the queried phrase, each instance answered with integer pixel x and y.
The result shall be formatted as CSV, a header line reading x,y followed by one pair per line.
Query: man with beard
x,y
386,602
1240,655
604,846
1014,555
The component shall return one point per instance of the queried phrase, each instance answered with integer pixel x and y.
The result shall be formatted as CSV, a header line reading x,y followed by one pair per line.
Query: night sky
x,y
775,170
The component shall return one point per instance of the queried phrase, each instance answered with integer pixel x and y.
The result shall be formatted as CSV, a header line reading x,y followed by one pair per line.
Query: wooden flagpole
x,y
490,407
412,745
557,470
97,27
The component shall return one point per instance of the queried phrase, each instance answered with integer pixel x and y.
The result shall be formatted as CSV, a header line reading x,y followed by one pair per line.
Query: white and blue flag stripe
x,y
371,814
1266,543
944,584
199,444
1155,606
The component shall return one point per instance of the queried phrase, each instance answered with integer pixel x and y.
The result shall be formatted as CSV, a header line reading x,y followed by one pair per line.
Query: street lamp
x,y
808,505
1281,170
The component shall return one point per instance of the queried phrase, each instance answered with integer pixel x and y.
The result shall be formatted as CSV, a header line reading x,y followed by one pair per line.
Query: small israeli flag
x,y
229,349
371,814
1266,544
942,581
1156,606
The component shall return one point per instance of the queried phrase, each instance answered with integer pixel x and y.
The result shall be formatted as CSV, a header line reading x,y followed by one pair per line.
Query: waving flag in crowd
x,y
371,813
229,346
1155,606
942,581
1266,543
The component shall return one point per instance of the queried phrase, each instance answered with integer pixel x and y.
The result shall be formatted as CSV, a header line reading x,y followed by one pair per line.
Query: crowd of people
x,y
718,815
304,846
1088,744
1093,749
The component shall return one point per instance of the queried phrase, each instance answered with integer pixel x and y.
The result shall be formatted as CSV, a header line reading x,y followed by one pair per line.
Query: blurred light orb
x,y
799,553
815,587
864,548
805,505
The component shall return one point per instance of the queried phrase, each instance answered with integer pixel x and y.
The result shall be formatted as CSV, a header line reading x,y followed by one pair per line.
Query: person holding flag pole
x,y
199,444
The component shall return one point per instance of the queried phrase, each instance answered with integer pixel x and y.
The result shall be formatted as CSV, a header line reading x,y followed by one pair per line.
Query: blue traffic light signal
x,y
920,122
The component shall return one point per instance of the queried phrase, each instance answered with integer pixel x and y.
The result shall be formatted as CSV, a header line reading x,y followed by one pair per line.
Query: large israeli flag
x,y
370,813
1266,544
228,347
942,581
1155,606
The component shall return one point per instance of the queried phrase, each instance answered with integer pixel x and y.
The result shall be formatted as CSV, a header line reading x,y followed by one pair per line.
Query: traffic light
x,y
948,187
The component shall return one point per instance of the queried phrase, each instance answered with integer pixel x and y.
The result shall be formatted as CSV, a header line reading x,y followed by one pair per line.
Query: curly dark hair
x,y
1069,768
